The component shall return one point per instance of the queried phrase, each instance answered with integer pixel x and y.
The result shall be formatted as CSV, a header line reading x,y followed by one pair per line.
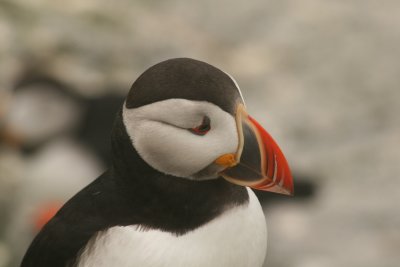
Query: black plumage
x,y
187,79
131,191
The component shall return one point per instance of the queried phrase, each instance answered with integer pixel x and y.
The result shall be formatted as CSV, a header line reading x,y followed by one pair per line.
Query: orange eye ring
x,y
202,129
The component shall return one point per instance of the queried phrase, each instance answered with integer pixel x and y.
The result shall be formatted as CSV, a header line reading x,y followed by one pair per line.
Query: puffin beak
x,y
258,163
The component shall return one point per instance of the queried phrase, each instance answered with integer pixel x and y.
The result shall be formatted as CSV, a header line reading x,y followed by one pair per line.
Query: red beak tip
x,y
284,187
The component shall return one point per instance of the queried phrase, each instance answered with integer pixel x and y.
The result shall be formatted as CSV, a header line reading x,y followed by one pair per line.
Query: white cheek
x,y
174,150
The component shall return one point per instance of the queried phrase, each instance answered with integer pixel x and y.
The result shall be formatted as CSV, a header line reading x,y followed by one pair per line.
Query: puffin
x,y
185,156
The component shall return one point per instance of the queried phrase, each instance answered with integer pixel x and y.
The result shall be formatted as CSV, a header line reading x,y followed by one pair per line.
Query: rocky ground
x,y
321,76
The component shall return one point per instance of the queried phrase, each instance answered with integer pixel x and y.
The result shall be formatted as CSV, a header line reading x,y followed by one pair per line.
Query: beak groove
x,y
260,162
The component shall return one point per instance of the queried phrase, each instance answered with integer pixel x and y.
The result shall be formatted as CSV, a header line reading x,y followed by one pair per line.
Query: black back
x,y
130,192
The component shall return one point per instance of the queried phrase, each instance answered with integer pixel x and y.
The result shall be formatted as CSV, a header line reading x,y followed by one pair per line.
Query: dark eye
x,y
203,128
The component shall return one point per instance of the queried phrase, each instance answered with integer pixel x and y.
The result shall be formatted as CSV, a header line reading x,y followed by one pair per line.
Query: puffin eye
x,y
203,128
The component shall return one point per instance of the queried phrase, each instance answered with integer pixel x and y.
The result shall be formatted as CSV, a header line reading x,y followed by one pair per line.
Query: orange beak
x,y
259,162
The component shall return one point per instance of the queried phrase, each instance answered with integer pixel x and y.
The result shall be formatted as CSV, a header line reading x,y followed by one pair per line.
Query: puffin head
x,y
188,119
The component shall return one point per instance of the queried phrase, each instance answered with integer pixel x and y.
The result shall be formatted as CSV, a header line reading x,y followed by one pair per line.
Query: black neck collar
x,y
167,202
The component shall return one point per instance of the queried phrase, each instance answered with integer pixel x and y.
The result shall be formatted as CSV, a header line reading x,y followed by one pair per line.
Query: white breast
x,y
237,238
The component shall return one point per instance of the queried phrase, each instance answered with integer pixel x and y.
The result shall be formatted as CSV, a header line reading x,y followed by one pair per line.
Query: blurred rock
x,y
321,76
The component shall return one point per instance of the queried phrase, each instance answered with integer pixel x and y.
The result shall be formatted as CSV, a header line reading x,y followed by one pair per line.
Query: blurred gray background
x,y
321,76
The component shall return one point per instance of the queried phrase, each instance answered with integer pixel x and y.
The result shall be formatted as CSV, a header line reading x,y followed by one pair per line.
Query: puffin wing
x,y
61,239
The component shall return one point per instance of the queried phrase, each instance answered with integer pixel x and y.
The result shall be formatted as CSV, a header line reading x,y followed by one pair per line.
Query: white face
x,y
160,132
